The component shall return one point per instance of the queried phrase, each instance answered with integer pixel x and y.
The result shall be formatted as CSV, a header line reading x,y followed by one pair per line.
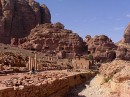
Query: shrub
x,y
90,57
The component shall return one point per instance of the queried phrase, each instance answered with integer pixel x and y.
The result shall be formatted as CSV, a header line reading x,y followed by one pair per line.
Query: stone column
x,y
29,63
35,62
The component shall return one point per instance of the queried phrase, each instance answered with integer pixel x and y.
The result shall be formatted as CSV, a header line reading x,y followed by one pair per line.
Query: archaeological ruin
x,y
39,58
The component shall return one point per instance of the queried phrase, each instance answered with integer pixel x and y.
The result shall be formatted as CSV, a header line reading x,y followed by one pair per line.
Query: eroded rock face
x,y
123,53
14,60
101,47
118,70
53,38
126,38
18,17
100,44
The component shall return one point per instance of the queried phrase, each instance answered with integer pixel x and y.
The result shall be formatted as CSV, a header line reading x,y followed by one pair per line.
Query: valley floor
x,y
86,90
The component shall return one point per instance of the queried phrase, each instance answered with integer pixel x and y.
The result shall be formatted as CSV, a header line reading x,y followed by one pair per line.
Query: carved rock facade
x,y
53,39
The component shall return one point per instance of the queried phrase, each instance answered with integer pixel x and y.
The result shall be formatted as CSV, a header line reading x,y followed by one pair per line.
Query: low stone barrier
x,y
56,88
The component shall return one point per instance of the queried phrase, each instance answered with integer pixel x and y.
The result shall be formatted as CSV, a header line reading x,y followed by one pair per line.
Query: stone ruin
x,y
42,85
13,62
33,64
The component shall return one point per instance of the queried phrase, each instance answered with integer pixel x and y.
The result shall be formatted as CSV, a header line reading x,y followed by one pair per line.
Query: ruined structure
x,y
12,59
32,63
18,17
43,85
81,63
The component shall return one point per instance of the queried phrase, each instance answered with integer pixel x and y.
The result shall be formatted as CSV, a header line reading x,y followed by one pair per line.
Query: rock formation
x,y
18,17
101,47
53,38
14,60
126,38
117,71
123,51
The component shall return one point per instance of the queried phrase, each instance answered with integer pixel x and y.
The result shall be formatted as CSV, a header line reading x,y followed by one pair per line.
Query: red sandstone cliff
x,y
53,38
18,17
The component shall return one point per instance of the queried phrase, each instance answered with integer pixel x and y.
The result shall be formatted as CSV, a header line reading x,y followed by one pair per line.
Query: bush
x,y
90,57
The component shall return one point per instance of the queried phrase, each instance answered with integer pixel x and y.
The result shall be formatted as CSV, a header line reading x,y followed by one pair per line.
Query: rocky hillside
x,y
117,70
126,37
27,24
101,47
123,51
18,17
53,38
117,75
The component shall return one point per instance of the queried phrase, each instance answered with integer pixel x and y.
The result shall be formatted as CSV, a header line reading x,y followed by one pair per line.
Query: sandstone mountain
x,y
27,24
18,17
18,21
125,42
126,37
53,38
123,51
102,48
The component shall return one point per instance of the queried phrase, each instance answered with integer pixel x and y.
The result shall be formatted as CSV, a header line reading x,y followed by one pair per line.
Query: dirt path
x,y
78,91
89,90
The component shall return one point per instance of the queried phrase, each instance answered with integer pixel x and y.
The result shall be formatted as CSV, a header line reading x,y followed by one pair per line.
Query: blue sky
x,y
91,17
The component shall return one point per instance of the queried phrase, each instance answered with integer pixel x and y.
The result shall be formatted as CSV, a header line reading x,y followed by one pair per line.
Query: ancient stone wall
x,y
57,88
81,63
